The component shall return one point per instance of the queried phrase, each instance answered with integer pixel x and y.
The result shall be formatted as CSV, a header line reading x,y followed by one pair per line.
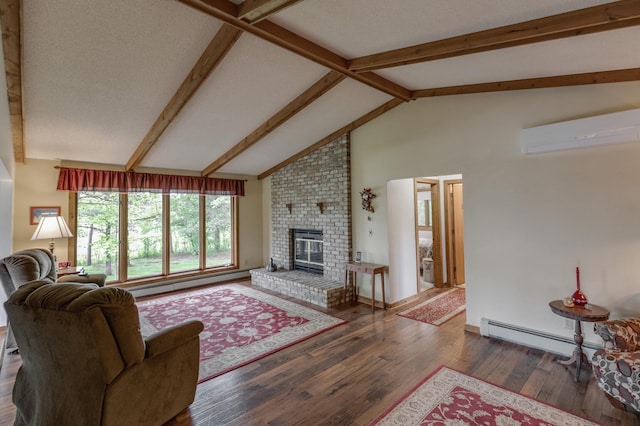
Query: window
x,y
161,234
184,225
144,234
98,233
219,235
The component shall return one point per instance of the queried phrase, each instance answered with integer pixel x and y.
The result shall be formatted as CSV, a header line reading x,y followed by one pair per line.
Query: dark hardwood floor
x,y
350,374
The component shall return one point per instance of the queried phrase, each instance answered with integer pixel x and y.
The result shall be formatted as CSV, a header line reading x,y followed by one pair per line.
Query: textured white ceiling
x,y
255,81
356,28
340,106
97,74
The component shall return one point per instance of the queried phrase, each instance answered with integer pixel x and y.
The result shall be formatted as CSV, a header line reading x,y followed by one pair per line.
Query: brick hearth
x,y
304,286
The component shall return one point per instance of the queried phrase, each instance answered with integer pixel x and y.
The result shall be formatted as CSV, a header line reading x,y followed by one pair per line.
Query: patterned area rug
x,y
448,397
241,324
438,309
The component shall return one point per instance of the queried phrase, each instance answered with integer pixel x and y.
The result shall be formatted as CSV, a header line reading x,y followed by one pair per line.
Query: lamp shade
x,y
51,227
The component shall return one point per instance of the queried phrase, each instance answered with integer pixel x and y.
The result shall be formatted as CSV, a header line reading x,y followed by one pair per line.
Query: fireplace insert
x,y
307,250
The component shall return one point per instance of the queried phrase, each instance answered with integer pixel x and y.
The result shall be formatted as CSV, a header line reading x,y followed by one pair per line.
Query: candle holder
x,y
578,296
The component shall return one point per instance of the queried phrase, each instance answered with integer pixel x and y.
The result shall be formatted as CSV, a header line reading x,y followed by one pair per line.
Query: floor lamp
x,y
50,228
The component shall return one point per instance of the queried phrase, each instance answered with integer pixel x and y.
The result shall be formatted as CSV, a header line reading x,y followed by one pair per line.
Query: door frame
x,y
448,228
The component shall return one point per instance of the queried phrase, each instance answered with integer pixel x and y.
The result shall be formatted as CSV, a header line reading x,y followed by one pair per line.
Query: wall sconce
x,y
320,205
289,205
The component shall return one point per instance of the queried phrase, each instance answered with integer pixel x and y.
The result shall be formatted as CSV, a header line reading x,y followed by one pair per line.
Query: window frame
x,y
166,275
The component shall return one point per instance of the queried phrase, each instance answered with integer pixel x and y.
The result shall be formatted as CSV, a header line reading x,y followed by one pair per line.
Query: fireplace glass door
x,y
308,251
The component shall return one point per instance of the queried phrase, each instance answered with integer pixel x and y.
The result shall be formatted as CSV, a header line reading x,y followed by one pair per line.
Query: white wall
x,y
402,242
529,220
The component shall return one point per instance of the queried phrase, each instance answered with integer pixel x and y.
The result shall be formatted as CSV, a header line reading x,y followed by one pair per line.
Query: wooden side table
x,y
588,313
69,271
365,268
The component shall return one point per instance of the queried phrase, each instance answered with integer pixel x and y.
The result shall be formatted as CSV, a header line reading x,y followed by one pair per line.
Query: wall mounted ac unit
x,y
599,130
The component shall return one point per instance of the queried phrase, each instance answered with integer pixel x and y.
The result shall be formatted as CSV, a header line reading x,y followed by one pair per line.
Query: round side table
x,y
588,313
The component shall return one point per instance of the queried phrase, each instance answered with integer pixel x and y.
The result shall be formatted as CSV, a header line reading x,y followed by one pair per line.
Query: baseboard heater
x,y
548,342
185,283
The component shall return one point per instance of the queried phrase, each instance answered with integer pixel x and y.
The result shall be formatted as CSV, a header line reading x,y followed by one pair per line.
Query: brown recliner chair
x,y
35,264
84,361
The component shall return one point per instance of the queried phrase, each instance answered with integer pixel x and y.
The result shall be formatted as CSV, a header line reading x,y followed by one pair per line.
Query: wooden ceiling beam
x,y
600,77
208,61
10,20
254,11
321,87
605,17
341,131
286,39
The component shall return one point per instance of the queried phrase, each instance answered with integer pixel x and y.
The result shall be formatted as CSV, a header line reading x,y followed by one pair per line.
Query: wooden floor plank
x,y
353,372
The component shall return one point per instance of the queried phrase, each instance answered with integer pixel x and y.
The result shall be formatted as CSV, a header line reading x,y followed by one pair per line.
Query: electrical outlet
x,y
568,324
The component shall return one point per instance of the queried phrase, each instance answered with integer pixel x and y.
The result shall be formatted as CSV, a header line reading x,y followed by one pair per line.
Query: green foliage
x,y
98,232
218,229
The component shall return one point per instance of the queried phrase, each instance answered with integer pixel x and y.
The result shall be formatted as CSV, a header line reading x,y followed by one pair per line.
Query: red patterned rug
x,y
448,397
241,324
438,309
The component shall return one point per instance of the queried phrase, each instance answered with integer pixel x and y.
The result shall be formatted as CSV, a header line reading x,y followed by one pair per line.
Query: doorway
x,y
428,234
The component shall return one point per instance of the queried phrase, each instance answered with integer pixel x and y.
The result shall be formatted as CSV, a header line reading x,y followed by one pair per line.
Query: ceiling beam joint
x,y
292,42
253,11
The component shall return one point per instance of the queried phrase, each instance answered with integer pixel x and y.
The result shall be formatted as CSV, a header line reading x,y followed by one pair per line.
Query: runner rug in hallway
x,y
448,397
241,324
438,309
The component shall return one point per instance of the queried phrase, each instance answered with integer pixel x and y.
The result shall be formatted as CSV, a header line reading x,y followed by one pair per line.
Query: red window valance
x,y
114,181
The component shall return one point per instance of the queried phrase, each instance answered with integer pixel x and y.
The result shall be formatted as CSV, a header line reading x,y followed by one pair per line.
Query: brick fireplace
x,y
313,193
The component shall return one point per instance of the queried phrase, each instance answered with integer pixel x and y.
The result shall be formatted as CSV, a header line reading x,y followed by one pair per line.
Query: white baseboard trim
x,y
559,345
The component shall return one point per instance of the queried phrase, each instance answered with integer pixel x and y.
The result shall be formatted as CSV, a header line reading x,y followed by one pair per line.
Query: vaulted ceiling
x,y
218,86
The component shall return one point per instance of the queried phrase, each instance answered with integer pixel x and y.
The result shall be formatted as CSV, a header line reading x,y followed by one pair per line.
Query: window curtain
x,y
113,181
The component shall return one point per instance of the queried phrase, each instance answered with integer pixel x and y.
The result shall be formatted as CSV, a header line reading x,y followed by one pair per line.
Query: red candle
x,y
578,297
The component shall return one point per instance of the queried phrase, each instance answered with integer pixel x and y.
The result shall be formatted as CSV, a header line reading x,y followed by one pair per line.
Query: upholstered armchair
x,y
84,361
616,367
35,264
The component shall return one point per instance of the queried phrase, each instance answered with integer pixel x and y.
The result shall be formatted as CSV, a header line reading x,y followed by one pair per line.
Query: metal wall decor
x,y
367,196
